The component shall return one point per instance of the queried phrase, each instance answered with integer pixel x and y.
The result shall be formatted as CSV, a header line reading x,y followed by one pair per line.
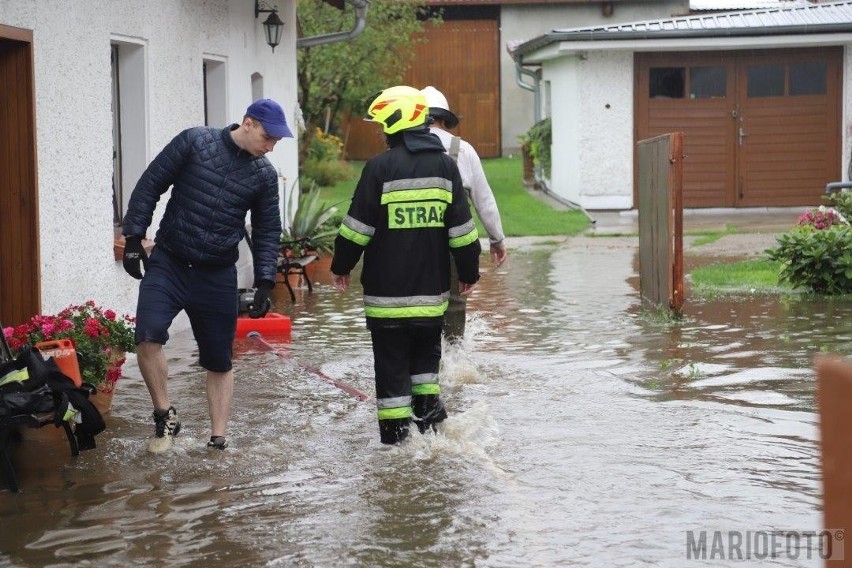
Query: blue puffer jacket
x,y
214,184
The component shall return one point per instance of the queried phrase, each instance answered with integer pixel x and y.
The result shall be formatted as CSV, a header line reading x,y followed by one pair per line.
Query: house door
x,y
20,291
761,128
788,133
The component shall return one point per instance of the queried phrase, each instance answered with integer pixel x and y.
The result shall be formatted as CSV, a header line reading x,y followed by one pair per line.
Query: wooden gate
x,y
661,222
460,58
20,290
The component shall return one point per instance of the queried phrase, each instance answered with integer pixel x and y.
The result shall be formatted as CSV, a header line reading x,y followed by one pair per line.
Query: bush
x,y
820,218
841,201
538,140
819,260
323,162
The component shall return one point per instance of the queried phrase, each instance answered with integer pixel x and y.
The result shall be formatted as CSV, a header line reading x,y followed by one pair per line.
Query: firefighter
x,y
408,215
442,120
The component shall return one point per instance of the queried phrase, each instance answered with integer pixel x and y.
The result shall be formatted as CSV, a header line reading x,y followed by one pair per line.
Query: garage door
x,y
761,128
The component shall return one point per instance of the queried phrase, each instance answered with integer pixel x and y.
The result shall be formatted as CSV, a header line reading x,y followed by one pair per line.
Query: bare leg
x,y
152,363
220,390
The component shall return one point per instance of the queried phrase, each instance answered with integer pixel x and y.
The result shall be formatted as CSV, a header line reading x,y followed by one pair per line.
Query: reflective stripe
x,y
394,402
355,237
461,230
424,378
358,226
464,240
19,376
416,215
395,413
409,312
418,183
403,301
431,388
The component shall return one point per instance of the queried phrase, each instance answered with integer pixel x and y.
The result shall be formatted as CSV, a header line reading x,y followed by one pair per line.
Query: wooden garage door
x,y
761,128
461,59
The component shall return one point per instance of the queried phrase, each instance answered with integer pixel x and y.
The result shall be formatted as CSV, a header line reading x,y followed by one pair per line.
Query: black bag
x,y
35,385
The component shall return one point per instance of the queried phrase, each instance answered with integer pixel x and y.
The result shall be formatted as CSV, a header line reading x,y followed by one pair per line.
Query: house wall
x,y
74,117
592,127
524,22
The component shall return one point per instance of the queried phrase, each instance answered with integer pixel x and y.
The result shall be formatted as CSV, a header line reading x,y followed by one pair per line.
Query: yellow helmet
x,y
398,108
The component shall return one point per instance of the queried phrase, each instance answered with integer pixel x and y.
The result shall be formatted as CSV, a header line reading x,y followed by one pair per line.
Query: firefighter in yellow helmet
x,y
408,216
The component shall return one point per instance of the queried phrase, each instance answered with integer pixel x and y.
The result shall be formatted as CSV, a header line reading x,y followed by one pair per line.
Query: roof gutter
x,y
600,35
360,23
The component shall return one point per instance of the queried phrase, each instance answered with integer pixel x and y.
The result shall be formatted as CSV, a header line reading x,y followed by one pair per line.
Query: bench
x,y
291,260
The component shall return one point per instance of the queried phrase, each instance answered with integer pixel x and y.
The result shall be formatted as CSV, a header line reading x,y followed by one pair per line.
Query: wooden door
x,y
20,291
761,128
693,94
788,128
460,58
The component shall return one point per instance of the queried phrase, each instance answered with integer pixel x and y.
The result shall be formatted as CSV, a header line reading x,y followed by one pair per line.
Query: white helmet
x,y
438,106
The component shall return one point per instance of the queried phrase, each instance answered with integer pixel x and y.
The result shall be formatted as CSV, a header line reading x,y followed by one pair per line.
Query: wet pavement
x,y
581,433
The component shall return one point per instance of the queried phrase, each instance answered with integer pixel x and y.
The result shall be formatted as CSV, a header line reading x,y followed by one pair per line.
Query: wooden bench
x,y
288,263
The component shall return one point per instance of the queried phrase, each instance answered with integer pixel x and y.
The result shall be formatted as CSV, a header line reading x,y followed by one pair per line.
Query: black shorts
x,y
207,294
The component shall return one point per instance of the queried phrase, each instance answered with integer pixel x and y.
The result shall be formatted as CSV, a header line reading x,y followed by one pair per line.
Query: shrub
x,y
841,201
819,260
820,218
323,161
538,140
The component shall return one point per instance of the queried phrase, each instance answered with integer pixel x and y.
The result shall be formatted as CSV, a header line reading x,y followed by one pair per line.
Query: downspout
x,y
360,23
536,91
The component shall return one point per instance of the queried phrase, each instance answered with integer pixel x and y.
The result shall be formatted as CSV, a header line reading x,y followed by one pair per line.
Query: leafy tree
x,y
339,77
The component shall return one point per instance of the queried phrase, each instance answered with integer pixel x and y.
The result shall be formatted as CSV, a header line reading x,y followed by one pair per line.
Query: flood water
x,y
582,433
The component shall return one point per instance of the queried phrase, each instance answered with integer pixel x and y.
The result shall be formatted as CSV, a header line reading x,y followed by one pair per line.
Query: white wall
x,y
74,121
525,22
592,163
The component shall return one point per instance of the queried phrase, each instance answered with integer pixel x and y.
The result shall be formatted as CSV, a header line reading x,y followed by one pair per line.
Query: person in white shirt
x,y
473,179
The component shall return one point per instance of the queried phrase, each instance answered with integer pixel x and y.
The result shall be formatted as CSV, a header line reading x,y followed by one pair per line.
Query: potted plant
x,y
310,221
310,229
101,339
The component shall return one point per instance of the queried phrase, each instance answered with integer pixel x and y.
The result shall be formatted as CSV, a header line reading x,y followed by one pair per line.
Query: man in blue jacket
x,y
409,213
216,176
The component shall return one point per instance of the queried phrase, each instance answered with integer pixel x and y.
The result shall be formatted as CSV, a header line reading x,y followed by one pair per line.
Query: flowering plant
x,y
100,338
821,218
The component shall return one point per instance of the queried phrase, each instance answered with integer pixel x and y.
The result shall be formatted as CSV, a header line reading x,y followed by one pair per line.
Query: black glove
x,y
134,254
261,303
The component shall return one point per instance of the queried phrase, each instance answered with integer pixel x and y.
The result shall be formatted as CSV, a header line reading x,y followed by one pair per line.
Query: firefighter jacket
x,y
214,184
409,213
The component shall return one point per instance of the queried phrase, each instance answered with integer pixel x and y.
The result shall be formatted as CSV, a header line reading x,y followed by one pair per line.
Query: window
x,y
808,79
129,122
765,80
707,82
667,82
215,92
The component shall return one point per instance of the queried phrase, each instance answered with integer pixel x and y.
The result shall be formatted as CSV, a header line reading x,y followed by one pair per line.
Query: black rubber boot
x,y
428,410
394,430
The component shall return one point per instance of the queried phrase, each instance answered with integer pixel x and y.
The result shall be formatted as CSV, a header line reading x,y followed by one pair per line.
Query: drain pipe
x,y
535,88
536,91
360,23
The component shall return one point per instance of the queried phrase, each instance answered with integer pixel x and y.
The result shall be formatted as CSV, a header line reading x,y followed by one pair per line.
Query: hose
x,y
360,395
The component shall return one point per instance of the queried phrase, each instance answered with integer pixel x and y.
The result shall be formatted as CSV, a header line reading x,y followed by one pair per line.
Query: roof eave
x,y
545,40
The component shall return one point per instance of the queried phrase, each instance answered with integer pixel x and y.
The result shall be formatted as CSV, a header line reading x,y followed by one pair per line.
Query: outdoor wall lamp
x,y
272,26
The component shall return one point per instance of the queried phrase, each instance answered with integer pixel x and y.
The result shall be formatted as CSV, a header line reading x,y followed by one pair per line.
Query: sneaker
x,y
166,426
217,442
